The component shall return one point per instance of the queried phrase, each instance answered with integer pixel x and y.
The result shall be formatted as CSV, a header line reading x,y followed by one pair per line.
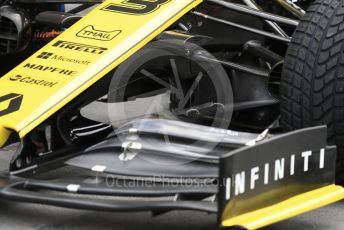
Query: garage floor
x,y
29,216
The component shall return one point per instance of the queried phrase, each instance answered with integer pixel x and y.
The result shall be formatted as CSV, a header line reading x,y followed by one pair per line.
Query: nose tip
x,y
4,135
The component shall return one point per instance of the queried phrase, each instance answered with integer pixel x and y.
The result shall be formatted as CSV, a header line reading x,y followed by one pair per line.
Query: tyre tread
x,y
312,84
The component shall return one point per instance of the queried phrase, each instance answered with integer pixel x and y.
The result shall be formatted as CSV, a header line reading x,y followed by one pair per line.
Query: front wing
x,y
250,187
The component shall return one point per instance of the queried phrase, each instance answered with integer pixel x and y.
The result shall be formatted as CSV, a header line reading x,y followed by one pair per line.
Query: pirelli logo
x,y
79,47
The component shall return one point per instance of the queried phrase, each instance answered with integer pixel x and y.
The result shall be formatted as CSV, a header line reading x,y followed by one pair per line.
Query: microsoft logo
x,y
45,55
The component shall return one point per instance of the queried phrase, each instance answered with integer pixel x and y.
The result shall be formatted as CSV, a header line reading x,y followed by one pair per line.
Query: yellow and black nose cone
x,y
4,135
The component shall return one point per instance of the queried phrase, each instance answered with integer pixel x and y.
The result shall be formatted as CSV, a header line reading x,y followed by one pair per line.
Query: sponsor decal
x,y
91,33
79,47
47,34
274,170
45,55
33,81
269,173
52,56
135,7
50,69
14,103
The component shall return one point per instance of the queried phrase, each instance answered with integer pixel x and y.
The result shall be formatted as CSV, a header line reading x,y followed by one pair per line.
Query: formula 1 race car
x,y
160,105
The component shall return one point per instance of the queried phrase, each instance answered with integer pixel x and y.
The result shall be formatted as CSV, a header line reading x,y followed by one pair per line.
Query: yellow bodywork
x,y
127,34
286,209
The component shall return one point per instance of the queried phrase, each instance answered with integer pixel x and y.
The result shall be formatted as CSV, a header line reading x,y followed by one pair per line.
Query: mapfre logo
x,y
91,33
50,69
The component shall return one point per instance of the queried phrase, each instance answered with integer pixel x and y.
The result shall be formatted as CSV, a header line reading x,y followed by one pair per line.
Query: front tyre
x,y
312,83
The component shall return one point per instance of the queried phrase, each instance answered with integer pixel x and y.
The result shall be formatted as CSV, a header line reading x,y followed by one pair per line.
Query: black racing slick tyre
x,y
312,83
